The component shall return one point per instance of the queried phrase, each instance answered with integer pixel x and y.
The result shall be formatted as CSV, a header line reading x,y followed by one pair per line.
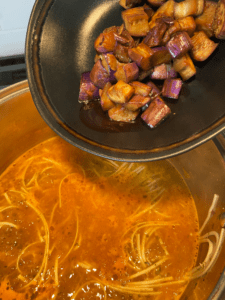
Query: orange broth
x,y
75,226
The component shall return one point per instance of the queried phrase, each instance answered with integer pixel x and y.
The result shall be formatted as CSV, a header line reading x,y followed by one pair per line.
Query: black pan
x,y
59,48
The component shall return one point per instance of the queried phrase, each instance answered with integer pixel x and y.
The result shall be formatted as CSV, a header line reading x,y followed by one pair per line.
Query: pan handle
x,y
219,140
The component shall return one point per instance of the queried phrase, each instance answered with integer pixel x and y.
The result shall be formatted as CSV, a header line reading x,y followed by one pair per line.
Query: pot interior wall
x,y
203,168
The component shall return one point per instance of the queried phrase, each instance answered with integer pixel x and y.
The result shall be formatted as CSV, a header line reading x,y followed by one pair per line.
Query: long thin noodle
x,y
210,212
56,271
6,208
149,282
22,253
7,198
8,224
43,267
74,242
149,269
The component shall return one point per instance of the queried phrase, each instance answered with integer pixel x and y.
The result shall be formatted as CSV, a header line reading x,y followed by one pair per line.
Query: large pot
x,y
203,170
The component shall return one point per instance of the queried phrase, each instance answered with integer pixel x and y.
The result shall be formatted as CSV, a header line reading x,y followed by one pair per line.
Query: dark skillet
x,y
59,48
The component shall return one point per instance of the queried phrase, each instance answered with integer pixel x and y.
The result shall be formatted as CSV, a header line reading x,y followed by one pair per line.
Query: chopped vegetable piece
x,y
124,35
163,71
171,88
105,101
88,91
136,102
188,8
154,90
219,20
148,10
156,112
155,34
106,42
156,3
127,72
161,56
203,47
121,53
99,76
136,21
141,88
179,44
184,24
142,56
166,10
122,114
109,62
144,74
184,66
129,3
205,20
121,92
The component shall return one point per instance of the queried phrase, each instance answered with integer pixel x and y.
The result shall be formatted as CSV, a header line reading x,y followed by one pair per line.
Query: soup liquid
x,y
75,226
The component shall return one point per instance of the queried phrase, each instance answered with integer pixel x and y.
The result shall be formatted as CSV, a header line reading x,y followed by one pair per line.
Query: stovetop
x,y
12,70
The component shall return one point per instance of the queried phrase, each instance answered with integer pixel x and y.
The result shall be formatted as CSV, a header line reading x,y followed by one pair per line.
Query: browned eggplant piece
x,y
99,76
121,92
148,10
184,66
109,61
156,112
88,91
171,88
166,10
156,3
203,47
155,91
127,72
141,55
141,88
179,44
168,20
125,35
188,8
136,21
205,20
161,56
121,114
136,102
163,71
121,53
219,20
121,39
105,101
129,3
155,34
144,74
106,41
184,24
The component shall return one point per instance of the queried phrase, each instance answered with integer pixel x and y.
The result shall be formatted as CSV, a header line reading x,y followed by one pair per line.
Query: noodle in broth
x,y
74,226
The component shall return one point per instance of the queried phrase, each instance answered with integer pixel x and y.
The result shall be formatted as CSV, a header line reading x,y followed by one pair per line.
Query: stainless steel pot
x,y
203,170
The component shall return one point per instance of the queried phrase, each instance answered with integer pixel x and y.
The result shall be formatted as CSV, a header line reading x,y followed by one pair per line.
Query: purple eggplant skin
x,y
88,91
99,76
171,88
156,112
179,44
